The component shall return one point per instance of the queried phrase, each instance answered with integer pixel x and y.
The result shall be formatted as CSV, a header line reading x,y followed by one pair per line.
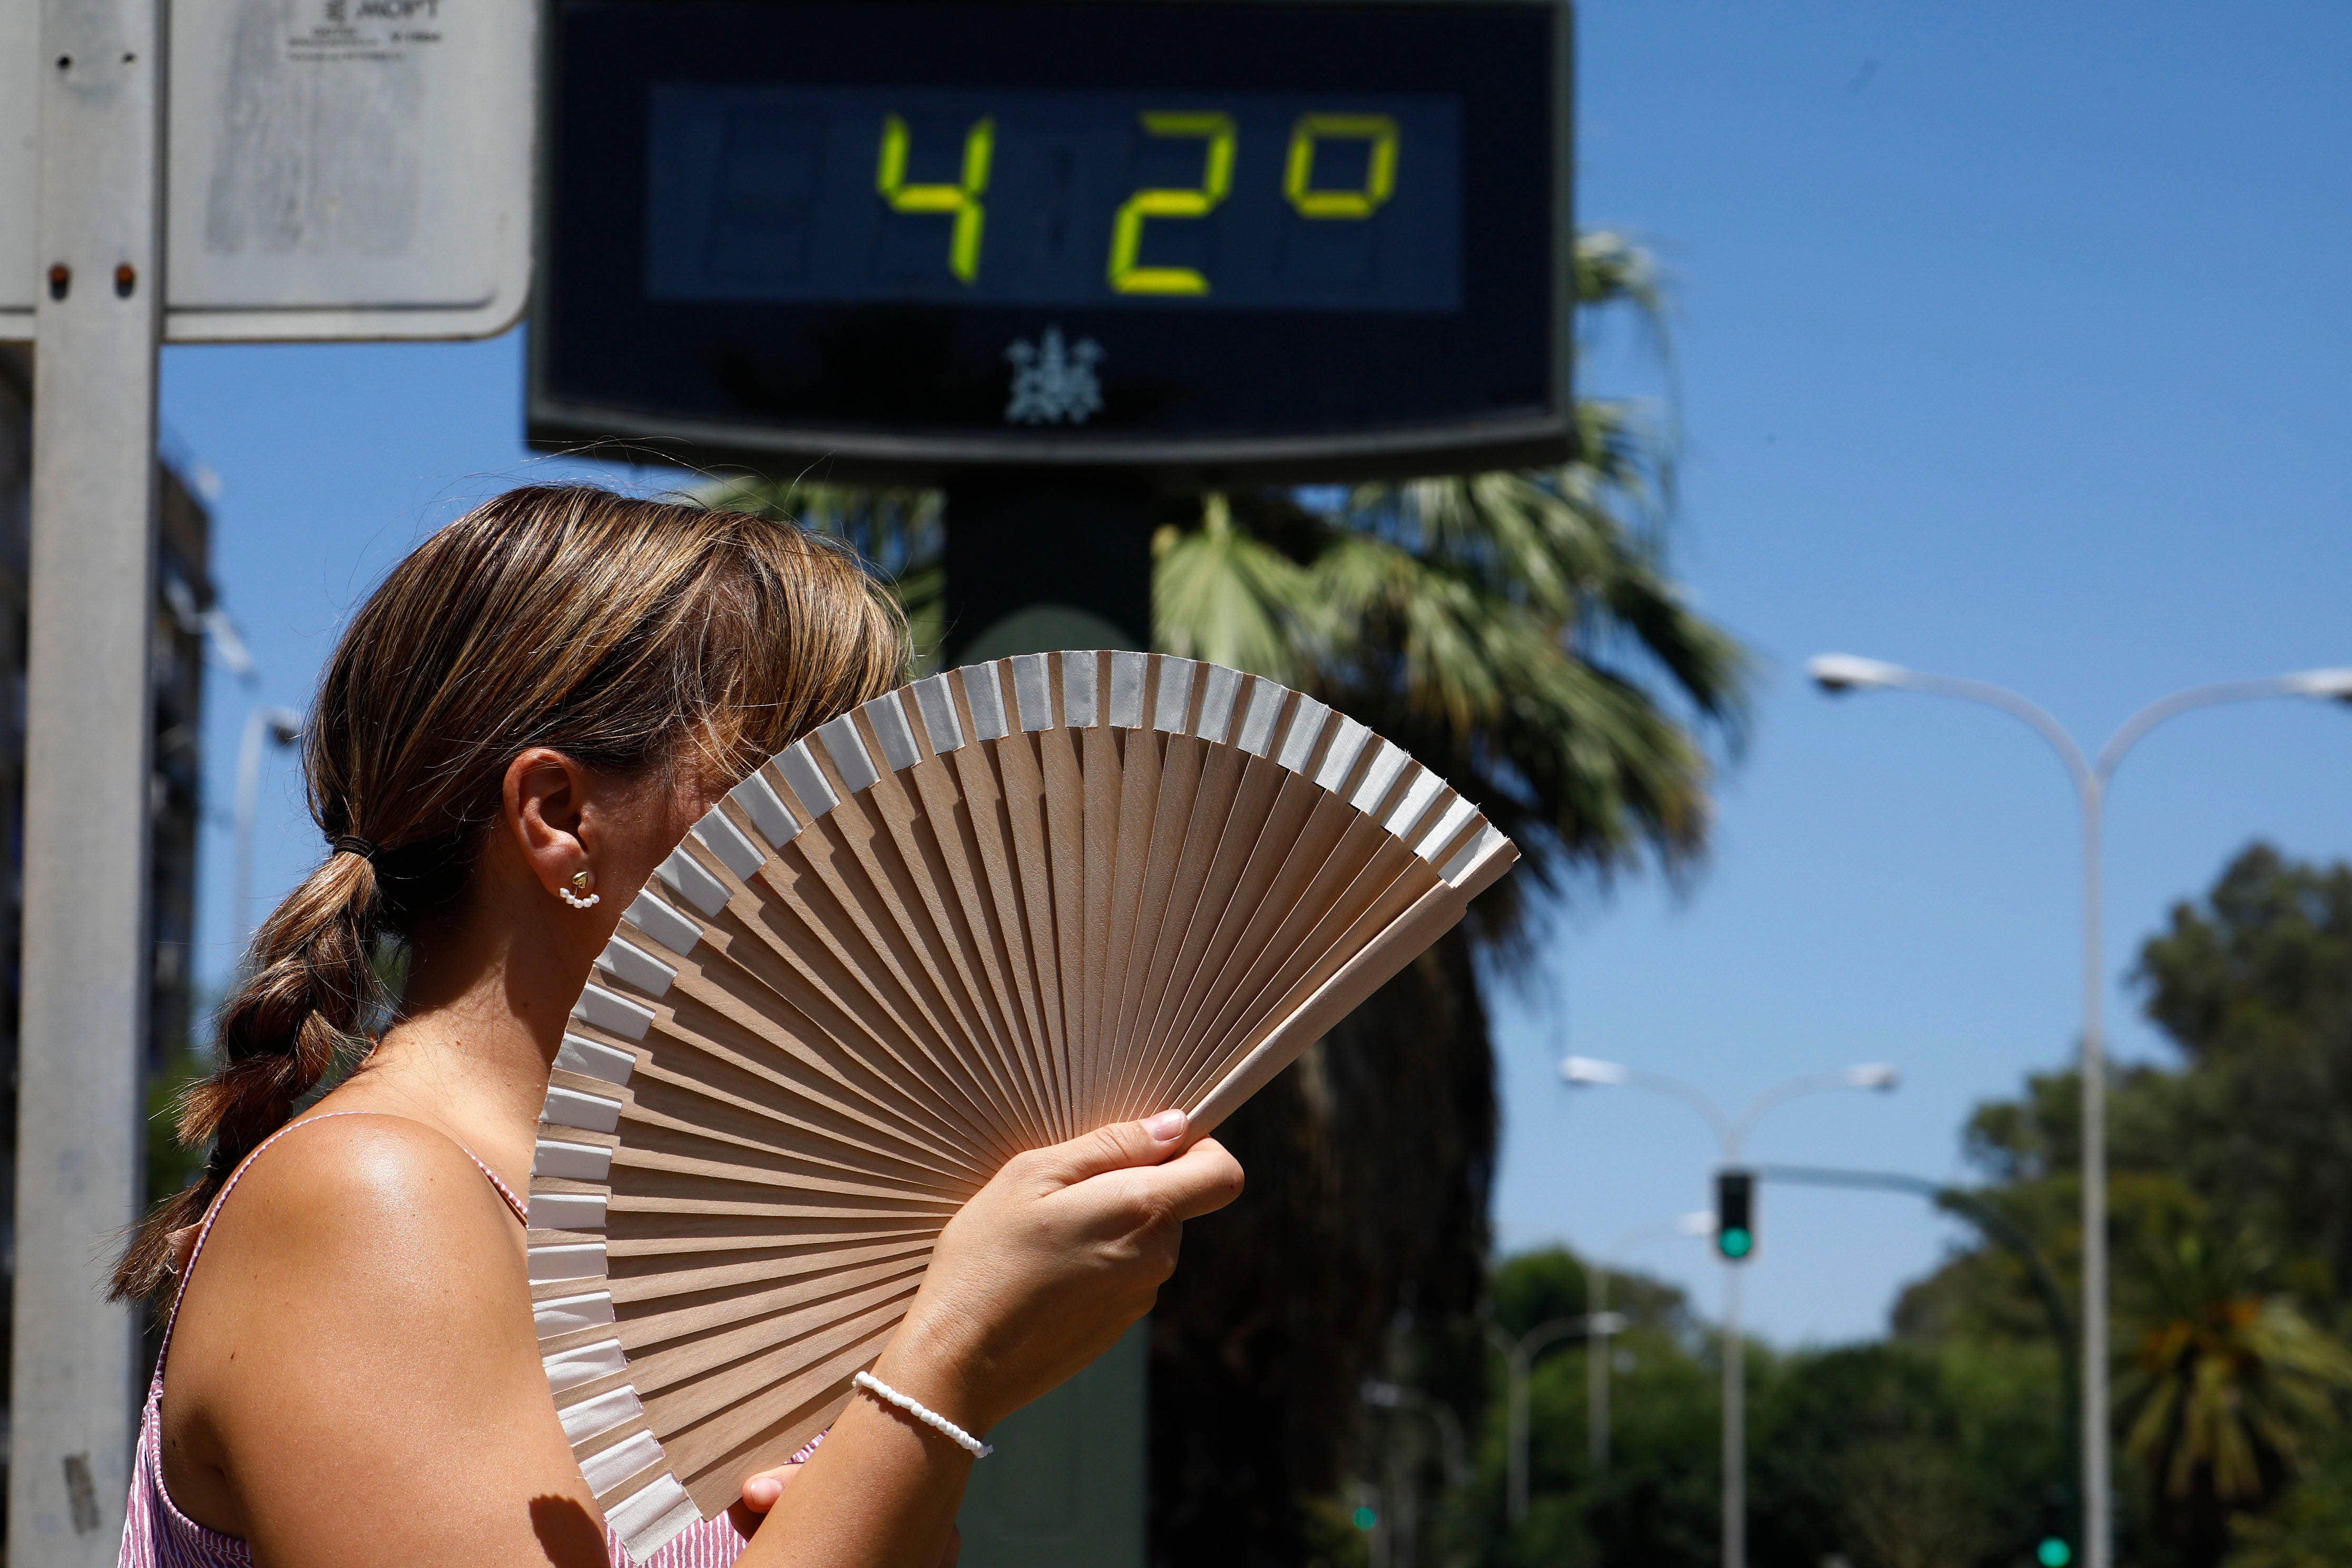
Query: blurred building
x,y
184,596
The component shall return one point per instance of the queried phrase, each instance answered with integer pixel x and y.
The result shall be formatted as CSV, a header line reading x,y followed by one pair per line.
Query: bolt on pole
x,y
86,961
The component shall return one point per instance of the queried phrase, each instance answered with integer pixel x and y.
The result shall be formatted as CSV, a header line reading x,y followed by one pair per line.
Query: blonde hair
x,y
629,634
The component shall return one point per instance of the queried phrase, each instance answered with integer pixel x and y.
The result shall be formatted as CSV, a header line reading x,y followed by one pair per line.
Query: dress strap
x,y
187,1266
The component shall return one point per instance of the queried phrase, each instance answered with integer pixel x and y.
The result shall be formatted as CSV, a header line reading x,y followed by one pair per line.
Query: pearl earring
x,y
581,882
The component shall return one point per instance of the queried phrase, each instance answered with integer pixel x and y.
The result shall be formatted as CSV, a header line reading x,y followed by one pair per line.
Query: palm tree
x,y
1519,633
2228,1386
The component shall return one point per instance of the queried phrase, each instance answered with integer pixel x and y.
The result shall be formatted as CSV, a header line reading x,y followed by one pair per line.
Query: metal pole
x,y
1735,1426
2097,1462
85,959
1405,1539
1516,1503
1596,1371
248,789
1840,672
1519,1359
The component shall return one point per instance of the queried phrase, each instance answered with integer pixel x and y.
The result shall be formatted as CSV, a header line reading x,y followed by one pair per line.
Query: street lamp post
x,y
1839,673
1731,1134
1404,1526
283,727
1518,1353
1596,1309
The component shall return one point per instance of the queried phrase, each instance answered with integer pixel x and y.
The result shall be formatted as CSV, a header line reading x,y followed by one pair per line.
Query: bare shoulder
x,y
379,1221
361,1180
360,1265
356,1376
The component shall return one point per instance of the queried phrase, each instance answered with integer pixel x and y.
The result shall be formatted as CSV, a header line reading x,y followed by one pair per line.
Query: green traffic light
x,y
2054,1552
1364,1518
1736,1243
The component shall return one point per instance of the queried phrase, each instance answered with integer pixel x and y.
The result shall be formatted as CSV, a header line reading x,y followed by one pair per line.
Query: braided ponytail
x,y
307,990
630,635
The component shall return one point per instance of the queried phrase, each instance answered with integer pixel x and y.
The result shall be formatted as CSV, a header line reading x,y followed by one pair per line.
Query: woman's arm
x,y
1039,1274
358,1369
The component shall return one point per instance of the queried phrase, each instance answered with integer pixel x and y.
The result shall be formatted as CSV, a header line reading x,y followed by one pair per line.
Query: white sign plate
x,y
20,60
337,168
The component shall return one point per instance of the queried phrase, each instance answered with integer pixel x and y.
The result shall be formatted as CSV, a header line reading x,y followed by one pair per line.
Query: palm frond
x,y
1220,594
2229,1383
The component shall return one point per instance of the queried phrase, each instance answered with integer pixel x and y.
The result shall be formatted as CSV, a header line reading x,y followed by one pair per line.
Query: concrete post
x,y
86,959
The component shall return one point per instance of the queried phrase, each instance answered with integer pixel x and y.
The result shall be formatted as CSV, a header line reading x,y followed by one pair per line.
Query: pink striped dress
x,y
156,1534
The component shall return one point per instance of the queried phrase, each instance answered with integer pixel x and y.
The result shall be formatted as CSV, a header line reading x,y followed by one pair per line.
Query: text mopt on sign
x,y
335,168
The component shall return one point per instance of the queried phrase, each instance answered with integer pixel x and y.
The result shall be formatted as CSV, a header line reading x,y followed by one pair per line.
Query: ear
x,y
550,811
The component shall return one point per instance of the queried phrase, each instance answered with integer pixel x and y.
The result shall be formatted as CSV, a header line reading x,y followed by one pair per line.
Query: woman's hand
x,y
1049,1263
1036,1275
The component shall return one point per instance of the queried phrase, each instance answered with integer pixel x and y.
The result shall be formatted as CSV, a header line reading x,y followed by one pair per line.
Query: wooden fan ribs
x,y
948,822
982,914
924,867
862,965
906,936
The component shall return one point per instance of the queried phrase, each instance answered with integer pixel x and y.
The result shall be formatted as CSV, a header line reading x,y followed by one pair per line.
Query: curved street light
x,y
1839,673
1731,1132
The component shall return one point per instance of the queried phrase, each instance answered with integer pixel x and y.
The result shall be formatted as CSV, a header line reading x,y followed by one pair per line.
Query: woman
x,y
538,702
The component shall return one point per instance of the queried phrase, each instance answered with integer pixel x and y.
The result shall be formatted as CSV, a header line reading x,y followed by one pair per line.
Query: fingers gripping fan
x,y
979,915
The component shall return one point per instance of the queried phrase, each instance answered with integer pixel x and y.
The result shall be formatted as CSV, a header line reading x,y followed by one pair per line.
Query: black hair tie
x,y
353,844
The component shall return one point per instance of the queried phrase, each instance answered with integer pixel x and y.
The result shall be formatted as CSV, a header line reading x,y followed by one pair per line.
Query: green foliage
x,y
1654,1506
1517,632
1946,1444
2255,989
2310,1528
1657,1504
1889,1455
1533,1288
2228,1389
1330,1535
2229,1382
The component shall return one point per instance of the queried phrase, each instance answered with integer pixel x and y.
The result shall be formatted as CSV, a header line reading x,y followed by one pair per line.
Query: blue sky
x,y
2011,342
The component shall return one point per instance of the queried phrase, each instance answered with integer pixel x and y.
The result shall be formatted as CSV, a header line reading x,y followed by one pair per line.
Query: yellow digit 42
x,y
963,200
1379,172
1216,179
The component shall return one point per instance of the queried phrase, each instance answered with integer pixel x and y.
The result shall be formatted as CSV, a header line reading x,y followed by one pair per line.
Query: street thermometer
x,y
1198,240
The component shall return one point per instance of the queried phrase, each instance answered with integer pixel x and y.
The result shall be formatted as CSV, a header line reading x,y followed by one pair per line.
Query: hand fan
x,y
980,914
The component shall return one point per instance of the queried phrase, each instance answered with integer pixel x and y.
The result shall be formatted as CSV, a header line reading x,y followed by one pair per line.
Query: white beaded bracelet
x,y
929,1417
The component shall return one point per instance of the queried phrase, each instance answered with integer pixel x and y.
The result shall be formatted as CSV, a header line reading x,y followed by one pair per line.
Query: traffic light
x,y
1735,1214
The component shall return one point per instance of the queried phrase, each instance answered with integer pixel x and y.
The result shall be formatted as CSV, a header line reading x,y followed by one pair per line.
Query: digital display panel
x,y
1261,201
1205,237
